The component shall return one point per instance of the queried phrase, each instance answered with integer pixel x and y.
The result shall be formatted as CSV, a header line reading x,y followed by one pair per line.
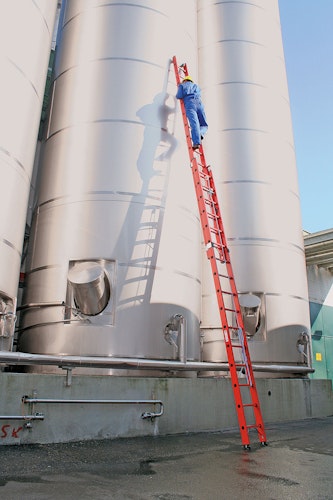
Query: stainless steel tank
x,y
250,146
114,260
26,29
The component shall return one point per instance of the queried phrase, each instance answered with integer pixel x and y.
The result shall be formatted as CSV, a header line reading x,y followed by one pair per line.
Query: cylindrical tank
x,y
251,149
116,191
25,38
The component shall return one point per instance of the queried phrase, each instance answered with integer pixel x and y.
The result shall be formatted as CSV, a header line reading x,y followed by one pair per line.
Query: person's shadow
x,y
146,217
157,134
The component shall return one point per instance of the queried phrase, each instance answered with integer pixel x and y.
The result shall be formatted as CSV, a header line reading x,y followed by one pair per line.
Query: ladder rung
x,y
221,260
212,215
202,174
215,218
208,200
207,190
211,199
216,240
219,232
227,293
216,231
205,193
214,204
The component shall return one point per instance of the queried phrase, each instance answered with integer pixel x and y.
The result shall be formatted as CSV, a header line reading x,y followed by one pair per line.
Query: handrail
x,y
145,415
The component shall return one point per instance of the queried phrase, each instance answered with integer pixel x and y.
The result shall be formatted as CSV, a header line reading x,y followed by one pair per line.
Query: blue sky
x,y
307,31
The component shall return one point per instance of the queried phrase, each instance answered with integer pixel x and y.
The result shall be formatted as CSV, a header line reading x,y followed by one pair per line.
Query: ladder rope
x,y
227,295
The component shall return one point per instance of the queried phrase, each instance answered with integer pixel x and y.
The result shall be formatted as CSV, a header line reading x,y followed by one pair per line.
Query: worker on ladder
x,y
191,94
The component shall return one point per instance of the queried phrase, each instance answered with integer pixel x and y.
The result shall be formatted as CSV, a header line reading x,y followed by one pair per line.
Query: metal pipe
x,y
183,339
38,416
33,305
28,400
23,358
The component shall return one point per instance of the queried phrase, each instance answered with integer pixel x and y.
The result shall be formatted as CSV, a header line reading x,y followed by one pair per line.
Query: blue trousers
x,y
197,118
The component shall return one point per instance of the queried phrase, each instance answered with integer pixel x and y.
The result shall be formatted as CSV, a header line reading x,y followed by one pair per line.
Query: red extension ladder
x,y
244,387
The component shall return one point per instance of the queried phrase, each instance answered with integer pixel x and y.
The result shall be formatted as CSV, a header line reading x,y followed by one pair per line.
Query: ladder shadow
x,y
146,211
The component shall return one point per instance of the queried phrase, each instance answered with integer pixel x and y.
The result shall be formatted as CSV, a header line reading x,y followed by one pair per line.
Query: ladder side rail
x,y
221,239
235,298
227,337
222,309
229,268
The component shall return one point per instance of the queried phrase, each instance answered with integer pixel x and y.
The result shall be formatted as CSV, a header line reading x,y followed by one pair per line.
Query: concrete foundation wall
x,y
190,405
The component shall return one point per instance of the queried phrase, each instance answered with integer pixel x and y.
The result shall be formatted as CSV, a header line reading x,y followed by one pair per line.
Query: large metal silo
x,y
26,29
250,145
114,260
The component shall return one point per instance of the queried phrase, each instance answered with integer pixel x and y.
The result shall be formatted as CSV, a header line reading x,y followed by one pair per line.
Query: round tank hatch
x,y
250,307
91,289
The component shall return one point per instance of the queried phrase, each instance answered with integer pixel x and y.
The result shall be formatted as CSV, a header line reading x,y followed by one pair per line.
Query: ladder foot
x,y
247,447
263,443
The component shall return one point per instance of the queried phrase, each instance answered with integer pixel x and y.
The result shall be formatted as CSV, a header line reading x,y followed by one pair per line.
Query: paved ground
x,y
297,464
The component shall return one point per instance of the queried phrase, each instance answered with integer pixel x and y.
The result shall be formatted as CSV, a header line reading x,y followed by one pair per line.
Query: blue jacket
x,y
191,95
188,90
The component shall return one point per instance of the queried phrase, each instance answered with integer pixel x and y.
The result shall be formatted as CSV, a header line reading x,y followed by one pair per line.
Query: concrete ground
x,y
296,464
